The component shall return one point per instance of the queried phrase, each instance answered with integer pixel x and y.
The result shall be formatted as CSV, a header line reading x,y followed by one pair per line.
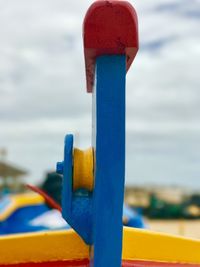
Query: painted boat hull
x,y
141,248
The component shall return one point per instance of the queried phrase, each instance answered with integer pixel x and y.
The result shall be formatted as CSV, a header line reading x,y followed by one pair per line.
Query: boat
x,y
93,179
35,212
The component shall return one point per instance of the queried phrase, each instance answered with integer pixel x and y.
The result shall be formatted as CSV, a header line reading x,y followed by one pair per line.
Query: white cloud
x,y
42,87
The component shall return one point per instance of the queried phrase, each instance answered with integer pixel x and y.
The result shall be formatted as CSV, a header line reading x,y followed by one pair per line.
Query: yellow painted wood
x,y
150,246
83,169
21,200
42,247
67,245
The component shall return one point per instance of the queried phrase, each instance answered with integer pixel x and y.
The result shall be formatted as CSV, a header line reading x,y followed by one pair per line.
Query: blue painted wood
x,y
76,206
109,147
97,216
67,176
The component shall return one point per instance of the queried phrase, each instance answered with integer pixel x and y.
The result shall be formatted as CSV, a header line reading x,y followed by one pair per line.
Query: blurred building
x,y
137,197
11,178
141,196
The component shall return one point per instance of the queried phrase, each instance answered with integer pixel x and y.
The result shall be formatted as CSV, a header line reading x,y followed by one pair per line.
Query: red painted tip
x,y
110,28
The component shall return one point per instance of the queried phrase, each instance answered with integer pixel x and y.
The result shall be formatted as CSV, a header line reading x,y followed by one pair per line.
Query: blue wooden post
x,y
97,217
109,144
110,45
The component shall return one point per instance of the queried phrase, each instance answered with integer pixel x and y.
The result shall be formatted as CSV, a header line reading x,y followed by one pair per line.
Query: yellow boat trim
x,y
19,201
42,247
151,246
67,245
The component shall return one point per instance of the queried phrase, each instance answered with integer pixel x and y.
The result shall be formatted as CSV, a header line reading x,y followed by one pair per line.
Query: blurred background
x,y
43,97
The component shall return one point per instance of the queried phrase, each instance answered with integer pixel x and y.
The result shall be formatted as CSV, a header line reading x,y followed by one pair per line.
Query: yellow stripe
x,y
21,200
67,245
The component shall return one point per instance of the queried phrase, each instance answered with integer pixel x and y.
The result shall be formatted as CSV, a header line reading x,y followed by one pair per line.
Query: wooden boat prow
x,y
66,248
93,207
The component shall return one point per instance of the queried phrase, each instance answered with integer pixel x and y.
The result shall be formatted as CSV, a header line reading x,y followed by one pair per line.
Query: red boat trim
x,y
76,263
85,263
156,264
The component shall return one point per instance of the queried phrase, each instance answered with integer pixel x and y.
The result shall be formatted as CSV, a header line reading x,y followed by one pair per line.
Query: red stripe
x,y
50,201
85,263
79,263
156,264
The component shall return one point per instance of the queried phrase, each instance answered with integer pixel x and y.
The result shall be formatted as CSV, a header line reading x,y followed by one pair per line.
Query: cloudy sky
x,y
43,97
